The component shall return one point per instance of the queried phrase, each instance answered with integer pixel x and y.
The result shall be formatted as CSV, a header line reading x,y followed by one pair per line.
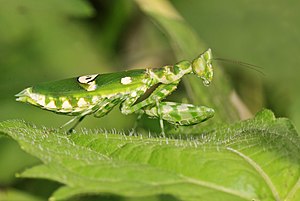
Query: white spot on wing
x,y
85,79
126,80
81,102
92,86
88,80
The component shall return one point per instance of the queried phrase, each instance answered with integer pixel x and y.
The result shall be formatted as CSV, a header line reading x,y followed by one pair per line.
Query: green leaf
x,y
10,149
256,159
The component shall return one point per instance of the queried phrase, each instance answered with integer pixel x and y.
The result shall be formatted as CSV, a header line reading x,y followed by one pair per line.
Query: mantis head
x,y
202,67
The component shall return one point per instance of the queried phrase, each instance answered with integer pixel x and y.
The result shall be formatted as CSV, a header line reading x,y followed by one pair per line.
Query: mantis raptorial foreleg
x,y
180,113
160,93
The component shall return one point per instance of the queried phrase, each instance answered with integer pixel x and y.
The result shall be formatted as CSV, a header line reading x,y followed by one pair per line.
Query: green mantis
x,y
98,94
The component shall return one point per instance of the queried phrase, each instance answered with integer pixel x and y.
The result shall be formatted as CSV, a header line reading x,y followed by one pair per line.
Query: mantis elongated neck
x,y
170,74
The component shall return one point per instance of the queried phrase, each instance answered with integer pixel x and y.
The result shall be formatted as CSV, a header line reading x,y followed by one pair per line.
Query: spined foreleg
x,y
180,113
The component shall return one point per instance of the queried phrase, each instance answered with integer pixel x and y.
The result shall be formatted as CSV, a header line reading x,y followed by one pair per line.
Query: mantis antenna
x,y
244,64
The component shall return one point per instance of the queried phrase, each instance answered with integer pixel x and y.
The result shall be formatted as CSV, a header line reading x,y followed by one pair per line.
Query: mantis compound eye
x,y
202,67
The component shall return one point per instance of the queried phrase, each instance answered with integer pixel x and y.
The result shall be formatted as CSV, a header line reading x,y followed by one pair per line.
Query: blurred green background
x,y
51,40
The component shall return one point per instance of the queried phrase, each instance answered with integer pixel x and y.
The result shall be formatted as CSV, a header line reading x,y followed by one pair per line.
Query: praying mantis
x,y
98,94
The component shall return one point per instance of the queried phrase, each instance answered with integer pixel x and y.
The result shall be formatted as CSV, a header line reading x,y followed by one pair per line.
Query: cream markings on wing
x,y
66,105
95,99
126,80
92,86
85,79
183,107
41,100
167,109
38,98
82,103
51,105
88,80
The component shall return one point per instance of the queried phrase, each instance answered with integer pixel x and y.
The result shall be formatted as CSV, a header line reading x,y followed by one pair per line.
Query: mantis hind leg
x,y
180,113
105,107
77,122
159,114
78,119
